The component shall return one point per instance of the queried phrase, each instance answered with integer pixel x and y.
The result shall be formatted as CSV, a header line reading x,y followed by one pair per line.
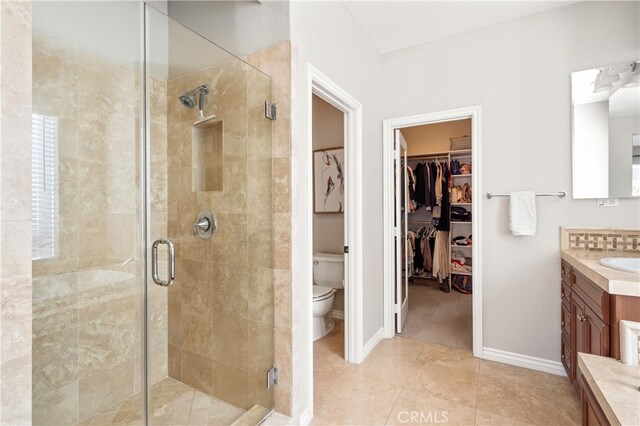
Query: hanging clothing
x,y
441,262
445,222
427,187
420,184
410,188
433,174
426,254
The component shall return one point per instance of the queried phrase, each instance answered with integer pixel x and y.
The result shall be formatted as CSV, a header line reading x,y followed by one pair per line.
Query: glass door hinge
x,y
272,377
270,110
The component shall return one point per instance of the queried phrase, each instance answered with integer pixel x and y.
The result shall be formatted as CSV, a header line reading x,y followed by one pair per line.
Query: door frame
x,y
388,127
320,85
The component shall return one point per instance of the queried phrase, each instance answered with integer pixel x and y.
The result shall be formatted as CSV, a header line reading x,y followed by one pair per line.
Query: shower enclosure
x,y
140,128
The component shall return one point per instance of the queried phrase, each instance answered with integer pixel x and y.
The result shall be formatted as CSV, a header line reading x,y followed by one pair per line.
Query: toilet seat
x,y
321,293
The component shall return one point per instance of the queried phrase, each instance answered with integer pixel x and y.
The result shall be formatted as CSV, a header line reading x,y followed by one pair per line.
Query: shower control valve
x,y
206,224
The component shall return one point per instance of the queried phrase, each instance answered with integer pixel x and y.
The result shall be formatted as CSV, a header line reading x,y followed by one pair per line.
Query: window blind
x,y
44,186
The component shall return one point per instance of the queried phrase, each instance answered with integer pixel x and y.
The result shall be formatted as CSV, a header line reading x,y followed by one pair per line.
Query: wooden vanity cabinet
x,y
591,319
592,414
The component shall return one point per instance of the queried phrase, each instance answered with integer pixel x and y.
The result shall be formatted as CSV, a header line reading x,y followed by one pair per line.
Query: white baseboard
x,y
305,417
526,361
372,343
337,314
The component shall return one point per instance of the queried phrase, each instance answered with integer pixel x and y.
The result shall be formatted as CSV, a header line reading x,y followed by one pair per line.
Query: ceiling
x,y
394,25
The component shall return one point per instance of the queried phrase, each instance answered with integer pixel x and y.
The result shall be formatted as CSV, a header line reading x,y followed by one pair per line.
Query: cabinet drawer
x,y
565,321
594,297
565,272
565,294
565,357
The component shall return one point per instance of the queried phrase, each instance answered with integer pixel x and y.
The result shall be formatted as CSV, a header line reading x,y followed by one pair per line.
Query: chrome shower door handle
x,y
171,268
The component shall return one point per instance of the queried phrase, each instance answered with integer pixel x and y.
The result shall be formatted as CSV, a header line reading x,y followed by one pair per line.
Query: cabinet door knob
x,y
562,294
563,356
581,318
562,323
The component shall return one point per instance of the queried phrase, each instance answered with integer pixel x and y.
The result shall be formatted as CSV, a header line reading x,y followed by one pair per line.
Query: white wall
x,y
621,131
241,27
325,35
519,71
591,150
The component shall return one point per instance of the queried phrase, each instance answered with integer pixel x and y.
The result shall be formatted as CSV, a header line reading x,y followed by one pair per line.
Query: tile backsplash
x,y
594,240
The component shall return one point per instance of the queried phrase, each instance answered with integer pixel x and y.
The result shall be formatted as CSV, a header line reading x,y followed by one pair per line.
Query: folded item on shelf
x,y
463,142
457,255
460,214
461,241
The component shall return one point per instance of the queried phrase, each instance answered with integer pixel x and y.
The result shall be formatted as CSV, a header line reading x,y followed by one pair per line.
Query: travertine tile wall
x,y
87,300
601,240
221,304
276,62
15,212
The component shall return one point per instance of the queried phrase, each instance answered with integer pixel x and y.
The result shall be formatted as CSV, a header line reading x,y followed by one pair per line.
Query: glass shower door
x,y
87,212
210,333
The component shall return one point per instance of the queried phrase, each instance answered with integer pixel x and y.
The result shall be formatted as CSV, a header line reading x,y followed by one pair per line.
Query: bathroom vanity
x,y
594,297
609,391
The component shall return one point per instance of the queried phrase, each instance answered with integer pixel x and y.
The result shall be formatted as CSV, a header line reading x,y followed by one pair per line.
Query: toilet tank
x,y
328,269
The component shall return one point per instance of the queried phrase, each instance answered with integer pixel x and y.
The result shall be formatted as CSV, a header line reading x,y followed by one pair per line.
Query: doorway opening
x,y
329,213
322,94
432,240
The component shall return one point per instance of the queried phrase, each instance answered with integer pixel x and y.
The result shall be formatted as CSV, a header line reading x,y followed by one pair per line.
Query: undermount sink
x,y
627,264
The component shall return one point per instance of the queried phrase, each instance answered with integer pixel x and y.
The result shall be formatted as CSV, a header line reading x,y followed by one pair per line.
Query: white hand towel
x,y
522,213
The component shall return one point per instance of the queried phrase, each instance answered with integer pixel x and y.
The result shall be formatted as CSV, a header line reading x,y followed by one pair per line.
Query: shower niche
x,y
207,155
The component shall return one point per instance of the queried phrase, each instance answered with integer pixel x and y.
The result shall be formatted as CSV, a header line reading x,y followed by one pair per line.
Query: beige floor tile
x,y
356,399
438,317
398,347
394,371
459,385
424,408
172,403
487,418
434,379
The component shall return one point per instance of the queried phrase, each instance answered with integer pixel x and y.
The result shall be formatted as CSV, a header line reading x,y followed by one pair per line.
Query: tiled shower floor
x,y
172,403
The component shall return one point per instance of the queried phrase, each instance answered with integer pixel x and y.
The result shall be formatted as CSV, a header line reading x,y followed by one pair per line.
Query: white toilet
x,y
328,277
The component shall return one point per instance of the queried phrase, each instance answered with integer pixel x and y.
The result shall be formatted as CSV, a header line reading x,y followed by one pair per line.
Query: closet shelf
x,y
460,204
466,175
460,273
460,223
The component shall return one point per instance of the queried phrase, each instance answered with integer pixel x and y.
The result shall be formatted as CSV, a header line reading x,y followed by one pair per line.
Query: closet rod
x,y
427,157
561,194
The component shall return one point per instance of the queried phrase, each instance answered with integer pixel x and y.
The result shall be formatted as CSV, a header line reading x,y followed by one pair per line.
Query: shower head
x,y
188,99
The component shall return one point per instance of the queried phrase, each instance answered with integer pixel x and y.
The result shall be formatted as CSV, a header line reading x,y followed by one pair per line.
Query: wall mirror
x,y
606,128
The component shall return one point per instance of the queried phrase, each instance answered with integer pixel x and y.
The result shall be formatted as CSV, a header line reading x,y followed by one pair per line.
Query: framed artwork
x,y
328,180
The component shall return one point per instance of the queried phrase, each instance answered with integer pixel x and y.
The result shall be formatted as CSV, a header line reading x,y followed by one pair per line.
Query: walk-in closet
x,y
435,197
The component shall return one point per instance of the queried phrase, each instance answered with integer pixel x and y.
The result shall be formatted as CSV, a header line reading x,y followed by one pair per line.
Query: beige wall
x,y
432,138
328,228
15,213
276,62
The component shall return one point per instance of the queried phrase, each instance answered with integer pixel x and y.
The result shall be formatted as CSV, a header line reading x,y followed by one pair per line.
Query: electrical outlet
x,y
608,202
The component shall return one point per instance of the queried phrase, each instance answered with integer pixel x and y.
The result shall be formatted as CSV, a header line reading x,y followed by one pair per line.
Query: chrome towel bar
x,y
561,194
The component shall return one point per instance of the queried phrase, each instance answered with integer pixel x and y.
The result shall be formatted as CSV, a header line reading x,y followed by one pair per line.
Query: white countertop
x,y
615,385
610,280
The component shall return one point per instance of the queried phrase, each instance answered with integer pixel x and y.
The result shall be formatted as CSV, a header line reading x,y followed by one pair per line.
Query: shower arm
x,y
203,90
